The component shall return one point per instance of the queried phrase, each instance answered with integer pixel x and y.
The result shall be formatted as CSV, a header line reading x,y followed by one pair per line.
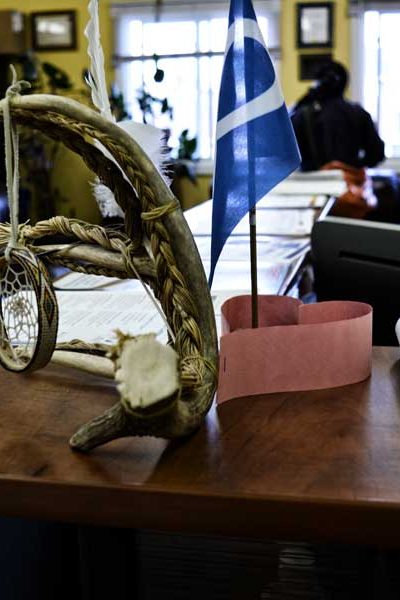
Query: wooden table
x,y
321,465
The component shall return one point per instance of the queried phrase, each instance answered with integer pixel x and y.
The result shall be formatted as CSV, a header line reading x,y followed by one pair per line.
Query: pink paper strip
x,y
297,346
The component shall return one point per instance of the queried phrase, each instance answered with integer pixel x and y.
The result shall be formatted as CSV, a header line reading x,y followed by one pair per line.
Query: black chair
x,y
360,260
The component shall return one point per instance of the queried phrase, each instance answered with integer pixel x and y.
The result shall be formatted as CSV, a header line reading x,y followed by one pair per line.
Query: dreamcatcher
x,y
28,306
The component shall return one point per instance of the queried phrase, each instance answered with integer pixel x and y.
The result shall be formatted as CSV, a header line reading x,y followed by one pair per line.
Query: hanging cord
x,y
12,160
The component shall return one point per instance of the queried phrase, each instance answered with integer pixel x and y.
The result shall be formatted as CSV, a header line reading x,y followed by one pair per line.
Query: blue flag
x,y
256,147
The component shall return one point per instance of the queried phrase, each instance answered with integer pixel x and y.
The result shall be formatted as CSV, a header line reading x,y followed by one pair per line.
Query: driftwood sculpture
x,y
157,246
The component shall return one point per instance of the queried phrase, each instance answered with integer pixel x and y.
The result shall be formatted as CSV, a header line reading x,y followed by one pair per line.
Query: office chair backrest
x,y
360,260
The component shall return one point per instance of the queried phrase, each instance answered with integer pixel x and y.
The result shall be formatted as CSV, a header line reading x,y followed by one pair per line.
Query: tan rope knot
x,y
16,86
5,233
192,370
160,211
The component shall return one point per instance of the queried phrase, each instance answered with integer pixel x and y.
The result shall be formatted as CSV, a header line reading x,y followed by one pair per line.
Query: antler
x,y
148,378
179,281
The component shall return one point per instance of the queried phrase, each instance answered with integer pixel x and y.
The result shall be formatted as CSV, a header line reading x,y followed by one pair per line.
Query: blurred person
x,y
334,133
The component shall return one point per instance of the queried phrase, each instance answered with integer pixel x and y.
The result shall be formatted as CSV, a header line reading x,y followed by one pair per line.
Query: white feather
x,y
97,77
148,137
106,201
152,141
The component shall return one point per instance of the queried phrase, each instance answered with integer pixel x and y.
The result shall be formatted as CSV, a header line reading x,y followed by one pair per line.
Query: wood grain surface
x,y
321,465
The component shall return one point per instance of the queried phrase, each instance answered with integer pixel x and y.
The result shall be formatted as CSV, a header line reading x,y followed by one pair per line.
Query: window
x,y
381,73
189,43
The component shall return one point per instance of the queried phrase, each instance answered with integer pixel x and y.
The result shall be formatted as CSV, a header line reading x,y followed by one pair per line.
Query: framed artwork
x,y
310,64
55,30
315,25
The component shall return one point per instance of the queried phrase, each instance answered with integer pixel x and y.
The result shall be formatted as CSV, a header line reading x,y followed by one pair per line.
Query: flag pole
x,y
253,267
251,134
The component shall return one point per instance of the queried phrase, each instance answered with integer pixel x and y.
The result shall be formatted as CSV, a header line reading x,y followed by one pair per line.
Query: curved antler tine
x,y
111,425
169,422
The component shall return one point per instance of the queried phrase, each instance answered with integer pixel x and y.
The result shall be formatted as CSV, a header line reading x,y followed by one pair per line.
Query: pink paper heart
x,y
296,347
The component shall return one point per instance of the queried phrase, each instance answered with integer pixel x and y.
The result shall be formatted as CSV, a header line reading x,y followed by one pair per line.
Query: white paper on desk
x,y
94,316
281,201
328,185
282,221
295,222
83,281
86,281
269,249
234,275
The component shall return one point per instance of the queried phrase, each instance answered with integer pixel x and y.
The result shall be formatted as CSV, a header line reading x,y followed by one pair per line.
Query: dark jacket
x,y
336,129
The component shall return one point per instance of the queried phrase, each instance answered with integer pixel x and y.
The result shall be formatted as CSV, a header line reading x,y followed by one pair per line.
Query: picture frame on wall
x,y
54,30
315,25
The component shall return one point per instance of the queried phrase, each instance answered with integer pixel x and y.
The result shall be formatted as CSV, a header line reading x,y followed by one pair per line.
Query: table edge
x,y
195,512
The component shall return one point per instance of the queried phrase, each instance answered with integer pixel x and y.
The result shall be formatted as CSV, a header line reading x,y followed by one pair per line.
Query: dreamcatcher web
x,y
19,309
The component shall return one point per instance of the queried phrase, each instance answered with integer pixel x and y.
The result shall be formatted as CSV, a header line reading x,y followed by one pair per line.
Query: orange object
x,y
359,198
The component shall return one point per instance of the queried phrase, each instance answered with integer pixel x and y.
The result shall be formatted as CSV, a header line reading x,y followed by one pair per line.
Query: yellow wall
x,y
70,177
292,87
71,61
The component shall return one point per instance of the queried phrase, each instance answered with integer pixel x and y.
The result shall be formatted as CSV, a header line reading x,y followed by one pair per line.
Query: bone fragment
x,y
146,371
